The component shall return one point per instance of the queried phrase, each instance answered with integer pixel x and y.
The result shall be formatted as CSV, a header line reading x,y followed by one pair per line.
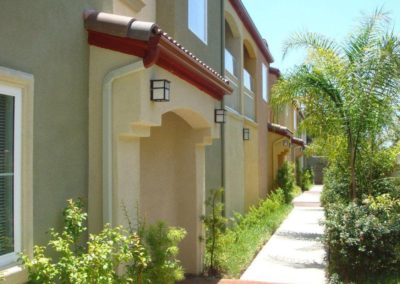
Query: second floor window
x,y
264,82
197,18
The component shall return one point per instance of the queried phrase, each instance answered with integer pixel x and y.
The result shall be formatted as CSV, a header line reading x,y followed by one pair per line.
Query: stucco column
x,y
126,181
200,193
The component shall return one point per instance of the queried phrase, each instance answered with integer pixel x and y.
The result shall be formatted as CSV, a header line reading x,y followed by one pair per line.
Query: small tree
x,y
215,224
161,243
285,180
350,92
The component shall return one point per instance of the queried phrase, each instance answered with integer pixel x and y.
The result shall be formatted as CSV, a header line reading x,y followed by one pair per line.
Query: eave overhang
x,y
279,129
146,40
275,71
298,141
284,131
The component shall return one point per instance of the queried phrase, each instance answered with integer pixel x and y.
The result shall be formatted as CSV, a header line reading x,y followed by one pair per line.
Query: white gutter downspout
x,y
107,133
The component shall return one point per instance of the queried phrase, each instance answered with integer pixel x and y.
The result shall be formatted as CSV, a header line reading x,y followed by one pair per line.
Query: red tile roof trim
x,y
279,129
298,141
159,49
251,28
284,131
275,71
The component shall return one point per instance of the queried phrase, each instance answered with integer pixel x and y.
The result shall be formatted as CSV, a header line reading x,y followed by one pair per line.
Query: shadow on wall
x,y
317,164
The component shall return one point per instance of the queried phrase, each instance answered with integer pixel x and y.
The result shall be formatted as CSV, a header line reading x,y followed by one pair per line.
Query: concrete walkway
x,y
294,254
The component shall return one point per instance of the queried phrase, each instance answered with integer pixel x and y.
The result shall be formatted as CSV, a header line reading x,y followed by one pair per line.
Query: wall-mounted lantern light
x,y
219,116
159,90
246,134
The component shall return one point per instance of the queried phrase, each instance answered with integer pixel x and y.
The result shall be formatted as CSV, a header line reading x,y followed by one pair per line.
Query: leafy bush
x,y
161,243
307,179
147,258
363,240
336,186
95,263
374,169
285,179
242,240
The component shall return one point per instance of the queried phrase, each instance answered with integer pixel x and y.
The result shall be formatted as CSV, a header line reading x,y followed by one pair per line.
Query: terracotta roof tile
x,y
131,28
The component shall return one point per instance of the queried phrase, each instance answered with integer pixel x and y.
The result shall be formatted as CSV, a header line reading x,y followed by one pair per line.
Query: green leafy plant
x,y
215,224
285,180
307,179
96,262
231,247
161,243
363,240
249,232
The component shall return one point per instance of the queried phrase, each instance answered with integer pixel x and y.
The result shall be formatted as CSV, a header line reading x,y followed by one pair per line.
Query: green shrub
x,y
285,179
336,186
97,262
148,257
363,240
161,243
247,234
307,179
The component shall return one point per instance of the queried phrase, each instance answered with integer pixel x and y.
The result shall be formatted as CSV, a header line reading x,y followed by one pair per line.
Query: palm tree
x,y
350,91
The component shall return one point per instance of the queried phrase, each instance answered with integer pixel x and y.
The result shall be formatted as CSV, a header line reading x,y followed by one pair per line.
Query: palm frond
x,y
308,40
366,35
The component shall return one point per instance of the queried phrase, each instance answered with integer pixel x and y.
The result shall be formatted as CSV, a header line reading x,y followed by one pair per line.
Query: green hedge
x,y
363,240
249,233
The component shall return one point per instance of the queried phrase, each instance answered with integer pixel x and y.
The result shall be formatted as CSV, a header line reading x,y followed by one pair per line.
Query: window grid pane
x,y
6,174
264,83
197,17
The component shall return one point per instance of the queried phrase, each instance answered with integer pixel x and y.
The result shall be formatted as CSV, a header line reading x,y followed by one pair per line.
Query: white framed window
x,y
295,119
265,82
10,173
16,171
197,18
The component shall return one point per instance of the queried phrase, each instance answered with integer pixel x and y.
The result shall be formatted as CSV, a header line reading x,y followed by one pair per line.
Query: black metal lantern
x,y
246,134
219,116
159,90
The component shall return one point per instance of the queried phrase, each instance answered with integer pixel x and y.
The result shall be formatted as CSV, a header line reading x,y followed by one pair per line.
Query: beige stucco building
x,y
118,104
250,166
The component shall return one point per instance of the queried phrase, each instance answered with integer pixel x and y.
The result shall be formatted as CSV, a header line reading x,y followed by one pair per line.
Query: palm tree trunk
x,y
352,170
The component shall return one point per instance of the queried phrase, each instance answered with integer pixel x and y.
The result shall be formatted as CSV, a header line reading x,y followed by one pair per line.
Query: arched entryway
x,y
172,181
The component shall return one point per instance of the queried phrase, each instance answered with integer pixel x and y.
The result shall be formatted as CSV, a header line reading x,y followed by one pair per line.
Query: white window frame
x,y
294,119
21,86
264,74
205,26
16,93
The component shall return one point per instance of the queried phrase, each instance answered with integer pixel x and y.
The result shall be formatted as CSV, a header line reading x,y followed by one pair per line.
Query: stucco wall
x,y
47,39
234,165
168,182
134,8
256,152
172,16
251,173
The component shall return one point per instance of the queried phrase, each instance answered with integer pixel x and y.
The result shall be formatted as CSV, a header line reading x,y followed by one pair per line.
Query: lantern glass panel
x,y
158,84
158,94
246,134
219,115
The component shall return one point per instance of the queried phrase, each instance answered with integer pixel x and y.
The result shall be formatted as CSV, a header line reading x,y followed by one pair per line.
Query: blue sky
x,y
276,20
